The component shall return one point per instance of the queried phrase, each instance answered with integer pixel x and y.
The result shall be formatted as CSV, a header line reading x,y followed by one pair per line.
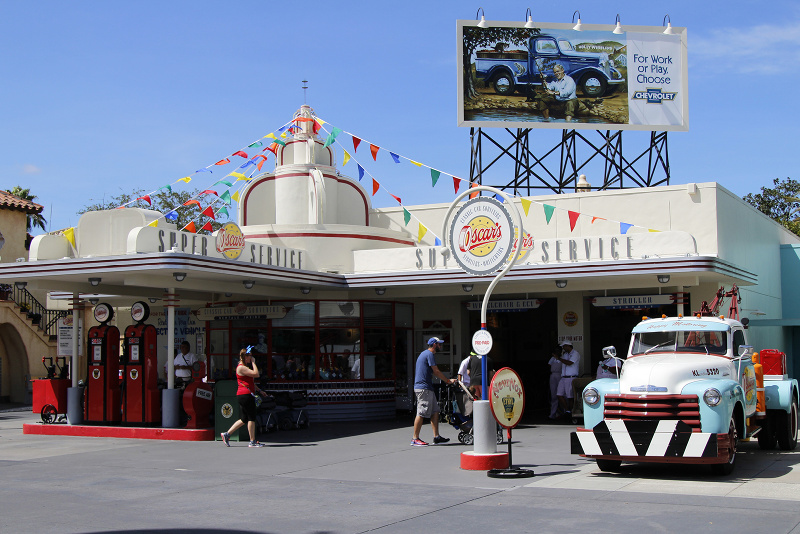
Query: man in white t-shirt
x,y
464,402
184,361
570,369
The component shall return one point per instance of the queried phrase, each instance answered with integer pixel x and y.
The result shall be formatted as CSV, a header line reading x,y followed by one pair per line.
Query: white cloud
x,y
764,49
29,168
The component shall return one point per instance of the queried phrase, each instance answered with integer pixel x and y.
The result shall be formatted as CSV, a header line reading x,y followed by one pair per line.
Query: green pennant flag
x,y
548,212
257,143
406,216
280,142
167,187
332,137
226,182
226,197
224,210
435,176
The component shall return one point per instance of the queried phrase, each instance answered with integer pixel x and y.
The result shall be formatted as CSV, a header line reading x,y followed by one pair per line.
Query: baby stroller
x,y
451,412
290,409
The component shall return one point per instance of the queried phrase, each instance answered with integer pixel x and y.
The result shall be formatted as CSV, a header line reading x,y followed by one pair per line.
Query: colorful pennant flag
x,y
573,219
167,187
223,162
209,212
374,151
474,194
415,163
375,186
260,163
346,157
239,176
171,216
456,184
270,135
154,224
422,232
526,205
240,153
256,144
235,196
146,198
190,228
437,242
406,216
623,228
395,157
356,142
207,227
435,176
226,182
226,197
69,233
360,172
397,199
188,179
209,192
548,211
332,137
597,218
193,201
224,210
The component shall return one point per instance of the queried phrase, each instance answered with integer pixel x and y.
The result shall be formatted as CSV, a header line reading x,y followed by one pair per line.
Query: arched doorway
x,y
14,369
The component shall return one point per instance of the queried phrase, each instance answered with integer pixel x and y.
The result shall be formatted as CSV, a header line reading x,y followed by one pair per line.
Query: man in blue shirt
x,y
559,94
427,405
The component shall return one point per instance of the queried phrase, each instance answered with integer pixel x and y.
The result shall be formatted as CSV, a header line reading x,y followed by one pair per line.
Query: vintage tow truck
x,y
689,390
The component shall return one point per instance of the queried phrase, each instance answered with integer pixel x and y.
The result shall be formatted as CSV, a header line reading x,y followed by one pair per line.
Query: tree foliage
x,y
781,203
165,201
475,37
34,219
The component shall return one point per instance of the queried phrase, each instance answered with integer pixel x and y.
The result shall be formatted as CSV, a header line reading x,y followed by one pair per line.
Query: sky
x,y
100,98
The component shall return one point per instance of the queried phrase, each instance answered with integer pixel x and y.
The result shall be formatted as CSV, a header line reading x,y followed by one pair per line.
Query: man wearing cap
x,y
427,405
570,365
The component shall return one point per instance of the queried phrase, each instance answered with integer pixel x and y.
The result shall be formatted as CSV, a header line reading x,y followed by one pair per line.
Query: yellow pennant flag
x,y
320,121
526,205
270,135
154,224
235,196
186,179
69,233
651,230
346,158
415,163
283,135
422,232
238,175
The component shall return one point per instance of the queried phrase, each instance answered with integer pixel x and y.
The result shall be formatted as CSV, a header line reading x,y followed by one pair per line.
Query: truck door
x,y
747,373
542,56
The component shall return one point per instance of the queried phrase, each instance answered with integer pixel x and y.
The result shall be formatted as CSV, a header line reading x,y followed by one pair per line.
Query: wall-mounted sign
x,y
481,236
505,305
633,302
230,241
570,339
230,313
570,318
65,332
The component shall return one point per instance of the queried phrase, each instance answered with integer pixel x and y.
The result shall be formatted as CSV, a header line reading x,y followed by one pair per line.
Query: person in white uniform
x,y
570,366
555,377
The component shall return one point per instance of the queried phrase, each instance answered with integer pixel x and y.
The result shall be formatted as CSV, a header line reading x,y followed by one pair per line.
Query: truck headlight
x,y
712,396
591,396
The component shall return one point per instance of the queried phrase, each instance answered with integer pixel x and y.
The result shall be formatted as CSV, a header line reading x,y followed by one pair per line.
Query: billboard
x,y
552,76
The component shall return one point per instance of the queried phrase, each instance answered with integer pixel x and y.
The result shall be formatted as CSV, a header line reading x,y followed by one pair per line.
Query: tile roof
x,y
9,201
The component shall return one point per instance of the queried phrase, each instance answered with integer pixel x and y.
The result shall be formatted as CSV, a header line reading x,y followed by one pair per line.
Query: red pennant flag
x,y
476,193
375,187
317,126
456,184
209,212
209,192
223,161
302,119
573,218
207,226
260,163
596,219
240,153
190,228
356,142
190,202
146,198
397,199
374,149
272,148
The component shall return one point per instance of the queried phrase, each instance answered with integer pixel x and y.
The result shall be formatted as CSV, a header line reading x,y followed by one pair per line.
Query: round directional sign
x,y
507,397
482,342
481,236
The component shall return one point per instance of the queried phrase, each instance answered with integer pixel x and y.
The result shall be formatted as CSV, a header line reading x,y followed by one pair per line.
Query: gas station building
x,y
337,297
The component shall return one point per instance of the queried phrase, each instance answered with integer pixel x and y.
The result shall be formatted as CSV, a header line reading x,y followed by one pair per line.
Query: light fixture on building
x,y
152,300
228,294
179,277
305,290
20,285
618,27
529,22
380,290
94,302
561,284
248,284
467,287
95,281
668,30
663,278
482,23
578,26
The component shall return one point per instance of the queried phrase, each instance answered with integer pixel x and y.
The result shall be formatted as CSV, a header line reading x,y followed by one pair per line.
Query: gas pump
x,y
141,398
198,398
102,404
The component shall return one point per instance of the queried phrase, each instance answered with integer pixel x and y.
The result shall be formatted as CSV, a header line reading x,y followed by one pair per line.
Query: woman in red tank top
x,y
246,373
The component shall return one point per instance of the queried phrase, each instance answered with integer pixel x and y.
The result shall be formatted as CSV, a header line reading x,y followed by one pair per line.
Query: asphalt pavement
x,y
365,477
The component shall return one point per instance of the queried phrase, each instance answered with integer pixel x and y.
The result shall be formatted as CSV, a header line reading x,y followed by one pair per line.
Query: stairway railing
x,y
46,320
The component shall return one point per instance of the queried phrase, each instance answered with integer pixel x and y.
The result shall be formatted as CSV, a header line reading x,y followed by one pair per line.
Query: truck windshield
x,y
683,341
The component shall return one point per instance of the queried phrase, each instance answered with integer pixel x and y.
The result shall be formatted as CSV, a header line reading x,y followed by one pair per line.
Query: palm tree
x,y
34,219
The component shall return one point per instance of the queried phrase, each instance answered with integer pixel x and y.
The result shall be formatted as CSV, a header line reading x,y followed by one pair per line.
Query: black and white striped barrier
x,y
665,438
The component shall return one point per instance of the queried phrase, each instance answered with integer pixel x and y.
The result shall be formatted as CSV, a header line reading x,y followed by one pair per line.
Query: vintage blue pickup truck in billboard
x,y
510,70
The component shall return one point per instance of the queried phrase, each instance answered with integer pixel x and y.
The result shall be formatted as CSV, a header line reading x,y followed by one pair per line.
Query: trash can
x,y
226,410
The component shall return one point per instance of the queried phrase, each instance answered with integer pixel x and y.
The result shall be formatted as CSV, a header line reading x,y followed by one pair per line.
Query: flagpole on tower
x,y
305,86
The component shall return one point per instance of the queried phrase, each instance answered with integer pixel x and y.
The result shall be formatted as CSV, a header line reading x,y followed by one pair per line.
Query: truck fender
x,y
498,70
779,394
715,419
593,415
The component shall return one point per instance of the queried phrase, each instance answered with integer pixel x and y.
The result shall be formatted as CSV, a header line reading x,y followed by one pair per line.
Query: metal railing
x,y
46,320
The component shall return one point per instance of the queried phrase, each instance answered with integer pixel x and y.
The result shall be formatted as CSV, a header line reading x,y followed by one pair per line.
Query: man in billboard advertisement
x,y
553,76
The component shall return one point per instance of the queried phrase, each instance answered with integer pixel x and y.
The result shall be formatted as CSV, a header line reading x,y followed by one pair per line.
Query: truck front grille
x,y
684,408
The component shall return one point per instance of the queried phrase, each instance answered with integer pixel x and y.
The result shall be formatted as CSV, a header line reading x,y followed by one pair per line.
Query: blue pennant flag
x,y
437,242
246,164
395,157
360,172
204,170
171,216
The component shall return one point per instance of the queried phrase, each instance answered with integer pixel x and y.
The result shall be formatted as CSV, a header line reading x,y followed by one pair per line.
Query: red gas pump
x,y
198,398
102,403
141,398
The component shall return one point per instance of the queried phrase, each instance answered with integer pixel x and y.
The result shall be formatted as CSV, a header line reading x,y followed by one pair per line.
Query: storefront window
x,y
293,354
339,350
218,350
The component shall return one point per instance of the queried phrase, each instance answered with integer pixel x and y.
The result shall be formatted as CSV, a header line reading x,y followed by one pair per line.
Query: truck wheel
x,y
503,84
727,467
787,428
766,437
593,85
608,465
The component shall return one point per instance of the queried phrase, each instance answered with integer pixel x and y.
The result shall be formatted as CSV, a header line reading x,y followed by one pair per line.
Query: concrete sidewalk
x,y
366,477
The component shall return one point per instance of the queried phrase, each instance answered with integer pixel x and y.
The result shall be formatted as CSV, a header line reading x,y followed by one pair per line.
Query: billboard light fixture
x,y
529,22
482,23
578,26
618,28
668,30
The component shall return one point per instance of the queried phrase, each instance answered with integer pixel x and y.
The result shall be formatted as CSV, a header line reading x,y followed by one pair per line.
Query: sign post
x,y
481,237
